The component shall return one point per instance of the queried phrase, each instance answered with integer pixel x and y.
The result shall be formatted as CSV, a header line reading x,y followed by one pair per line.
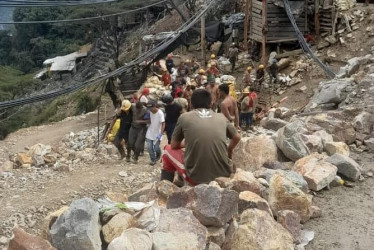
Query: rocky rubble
x,y
73,151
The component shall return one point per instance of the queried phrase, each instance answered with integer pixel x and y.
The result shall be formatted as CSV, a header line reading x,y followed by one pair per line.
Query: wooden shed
x,y
269,22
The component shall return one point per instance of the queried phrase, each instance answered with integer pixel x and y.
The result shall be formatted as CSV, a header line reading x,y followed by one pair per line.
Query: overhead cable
x,y
51,3
143,57
303,43
87,18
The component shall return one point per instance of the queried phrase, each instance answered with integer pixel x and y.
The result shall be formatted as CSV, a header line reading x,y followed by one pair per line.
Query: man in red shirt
x,y
165,78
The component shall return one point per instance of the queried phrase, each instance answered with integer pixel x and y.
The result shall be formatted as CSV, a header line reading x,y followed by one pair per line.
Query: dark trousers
x,y
169,129
121,135
233,63
137,140
245,119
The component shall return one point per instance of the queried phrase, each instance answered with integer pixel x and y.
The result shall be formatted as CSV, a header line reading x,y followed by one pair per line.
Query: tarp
x,y
64,63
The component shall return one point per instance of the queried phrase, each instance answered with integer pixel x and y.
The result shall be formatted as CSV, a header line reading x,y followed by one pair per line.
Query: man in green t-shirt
x,y
202,133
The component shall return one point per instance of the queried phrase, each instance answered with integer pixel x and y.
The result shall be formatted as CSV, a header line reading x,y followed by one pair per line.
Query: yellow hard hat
x,y
201,71
212,56
126,105
245,91
249,68
261,66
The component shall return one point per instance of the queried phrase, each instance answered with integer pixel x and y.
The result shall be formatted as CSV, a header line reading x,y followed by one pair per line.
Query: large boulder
x,y
316,171
290,142
179,229
249,199
242,181
252,152
259,231
132,239
285,195
336,148
313,142
24,241
335,123
363,122
117,225
291,175
145,194
290,221
332,91
325,137
273,123
212,205
172,241
347,167
49,220
78,227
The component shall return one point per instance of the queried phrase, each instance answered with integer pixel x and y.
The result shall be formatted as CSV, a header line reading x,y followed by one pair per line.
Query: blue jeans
x,y
246,119
153,149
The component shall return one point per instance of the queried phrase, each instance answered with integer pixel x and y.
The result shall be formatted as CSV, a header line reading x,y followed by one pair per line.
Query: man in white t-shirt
x,y
155,131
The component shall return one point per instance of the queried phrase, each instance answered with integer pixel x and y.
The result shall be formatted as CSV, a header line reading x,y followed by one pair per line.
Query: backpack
x,y
251,97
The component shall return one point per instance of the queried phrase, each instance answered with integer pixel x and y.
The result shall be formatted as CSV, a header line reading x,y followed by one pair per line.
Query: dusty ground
x,y
28,195
347,222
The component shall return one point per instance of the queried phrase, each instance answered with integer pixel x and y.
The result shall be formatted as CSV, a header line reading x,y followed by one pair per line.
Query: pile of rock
x,y
39,155
229,213
74,150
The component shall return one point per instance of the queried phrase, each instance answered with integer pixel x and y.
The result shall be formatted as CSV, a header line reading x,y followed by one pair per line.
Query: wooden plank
x,y
256,38
256,11
280,29
257,4
284,24
257,16
283,19
282,40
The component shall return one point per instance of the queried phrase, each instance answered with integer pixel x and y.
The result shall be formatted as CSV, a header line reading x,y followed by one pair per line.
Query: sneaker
x,y
135,159
128,159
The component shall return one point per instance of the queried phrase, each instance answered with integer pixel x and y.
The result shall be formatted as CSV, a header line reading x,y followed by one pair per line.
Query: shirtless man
x,y
213,90
228,105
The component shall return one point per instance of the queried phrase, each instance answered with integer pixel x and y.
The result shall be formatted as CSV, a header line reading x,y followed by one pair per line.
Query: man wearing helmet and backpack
x,y
126,116
248,107
172,113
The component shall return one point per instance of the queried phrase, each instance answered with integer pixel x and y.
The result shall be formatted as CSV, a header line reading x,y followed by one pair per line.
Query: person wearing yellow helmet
x,y
213,60
248,107
260,74
200,77
247,76
126,116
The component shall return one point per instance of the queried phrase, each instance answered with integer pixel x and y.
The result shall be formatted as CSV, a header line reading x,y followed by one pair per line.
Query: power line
x,y
143,57
302,41
86,18
51,3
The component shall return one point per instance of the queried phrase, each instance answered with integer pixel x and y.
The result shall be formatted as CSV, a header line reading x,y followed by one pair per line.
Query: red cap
x,y
145,91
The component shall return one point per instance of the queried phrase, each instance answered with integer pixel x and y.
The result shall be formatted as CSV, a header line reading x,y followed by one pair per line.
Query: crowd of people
x,y
196,113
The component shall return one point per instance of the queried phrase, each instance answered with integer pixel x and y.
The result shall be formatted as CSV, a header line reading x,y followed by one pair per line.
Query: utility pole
x,y
203,57
246,20
264,31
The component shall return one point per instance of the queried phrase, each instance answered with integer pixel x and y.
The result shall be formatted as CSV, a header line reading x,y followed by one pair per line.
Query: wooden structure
x,y
269,23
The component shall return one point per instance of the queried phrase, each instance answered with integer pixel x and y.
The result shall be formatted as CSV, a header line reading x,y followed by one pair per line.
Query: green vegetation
x,y
23,49
14,83
26,46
